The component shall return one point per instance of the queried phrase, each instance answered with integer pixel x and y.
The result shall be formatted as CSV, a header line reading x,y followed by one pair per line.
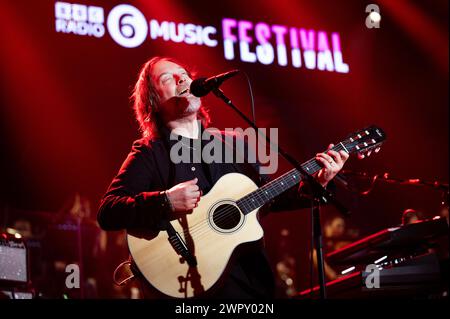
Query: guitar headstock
x,y
365,140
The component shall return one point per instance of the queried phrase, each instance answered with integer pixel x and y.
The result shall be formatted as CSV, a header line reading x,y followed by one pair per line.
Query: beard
x,y
180,106
194,104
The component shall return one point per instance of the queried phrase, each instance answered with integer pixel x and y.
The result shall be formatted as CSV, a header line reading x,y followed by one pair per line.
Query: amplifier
x,y
14,268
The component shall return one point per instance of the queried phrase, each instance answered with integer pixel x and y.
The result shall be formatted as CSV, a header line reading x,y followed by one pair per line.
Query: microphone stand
x,y
319,193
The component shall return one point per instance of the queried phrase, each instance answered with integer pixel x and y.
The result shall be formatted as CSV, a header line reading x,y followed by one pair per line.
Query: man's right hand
x,y
184,196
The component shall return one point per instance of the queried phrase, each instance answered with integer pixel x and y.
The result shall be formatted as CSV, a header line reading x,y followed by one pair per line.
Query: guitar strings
x,y
227,213
312,164
270,186
220,217
224,215
200,232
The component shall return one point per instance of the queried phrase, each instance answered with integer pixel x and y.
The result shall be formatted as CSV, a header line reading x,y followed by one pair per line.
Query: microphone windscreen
x,y
197,87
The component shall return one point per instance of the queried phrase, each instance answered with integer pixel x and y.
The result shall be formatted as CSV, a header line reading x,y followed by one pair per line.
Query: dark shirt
x,y
133,202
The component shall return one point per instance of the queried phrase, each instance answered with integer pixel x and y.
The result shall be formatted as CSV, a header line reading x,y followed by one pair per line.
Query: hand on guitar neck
x,y
332,162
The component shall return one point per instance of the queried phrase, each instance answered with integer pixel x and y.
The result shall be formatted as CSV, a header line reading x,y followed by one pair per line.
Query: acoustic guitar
x,y
191,257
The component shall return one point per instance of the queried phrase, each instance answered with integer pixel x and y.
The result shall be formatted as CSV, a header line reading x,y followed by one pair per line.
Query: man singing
x,y
150,188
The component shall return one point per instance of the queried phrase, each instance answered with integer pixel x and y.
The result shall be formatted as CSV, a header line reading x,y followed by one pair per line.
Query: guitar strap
x,y
174,238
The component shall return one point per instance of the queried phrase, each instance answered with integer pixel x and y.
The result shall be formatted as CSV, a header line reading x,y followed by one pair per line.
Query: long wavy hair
x,y
145,99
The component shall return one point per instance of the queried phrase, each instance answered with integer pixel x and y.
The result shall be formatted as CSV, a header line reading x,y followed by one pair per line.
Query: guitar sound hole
x,y
226,216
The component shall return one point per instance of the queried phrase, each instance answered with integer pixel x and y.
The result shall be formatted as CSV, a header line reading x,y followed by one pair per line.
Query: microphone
x,y
202,86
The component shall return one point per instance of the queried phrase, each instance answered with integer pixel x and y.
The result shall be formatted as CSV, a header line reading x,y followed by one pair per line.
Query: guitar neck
x,y
266,193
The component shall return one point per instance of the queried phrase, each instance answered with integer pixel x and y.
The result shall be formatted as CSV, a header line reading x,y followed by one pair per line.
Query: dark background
x,y
67,124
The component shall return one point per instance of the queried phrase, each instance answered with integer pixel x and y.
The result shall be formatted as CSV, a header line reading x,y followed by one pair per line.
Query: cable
x,y
251,97
371,187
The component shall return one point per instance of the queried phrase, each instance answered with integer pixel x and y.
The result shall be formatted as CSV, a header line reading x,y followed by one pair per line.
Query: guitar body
x,y
211,232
